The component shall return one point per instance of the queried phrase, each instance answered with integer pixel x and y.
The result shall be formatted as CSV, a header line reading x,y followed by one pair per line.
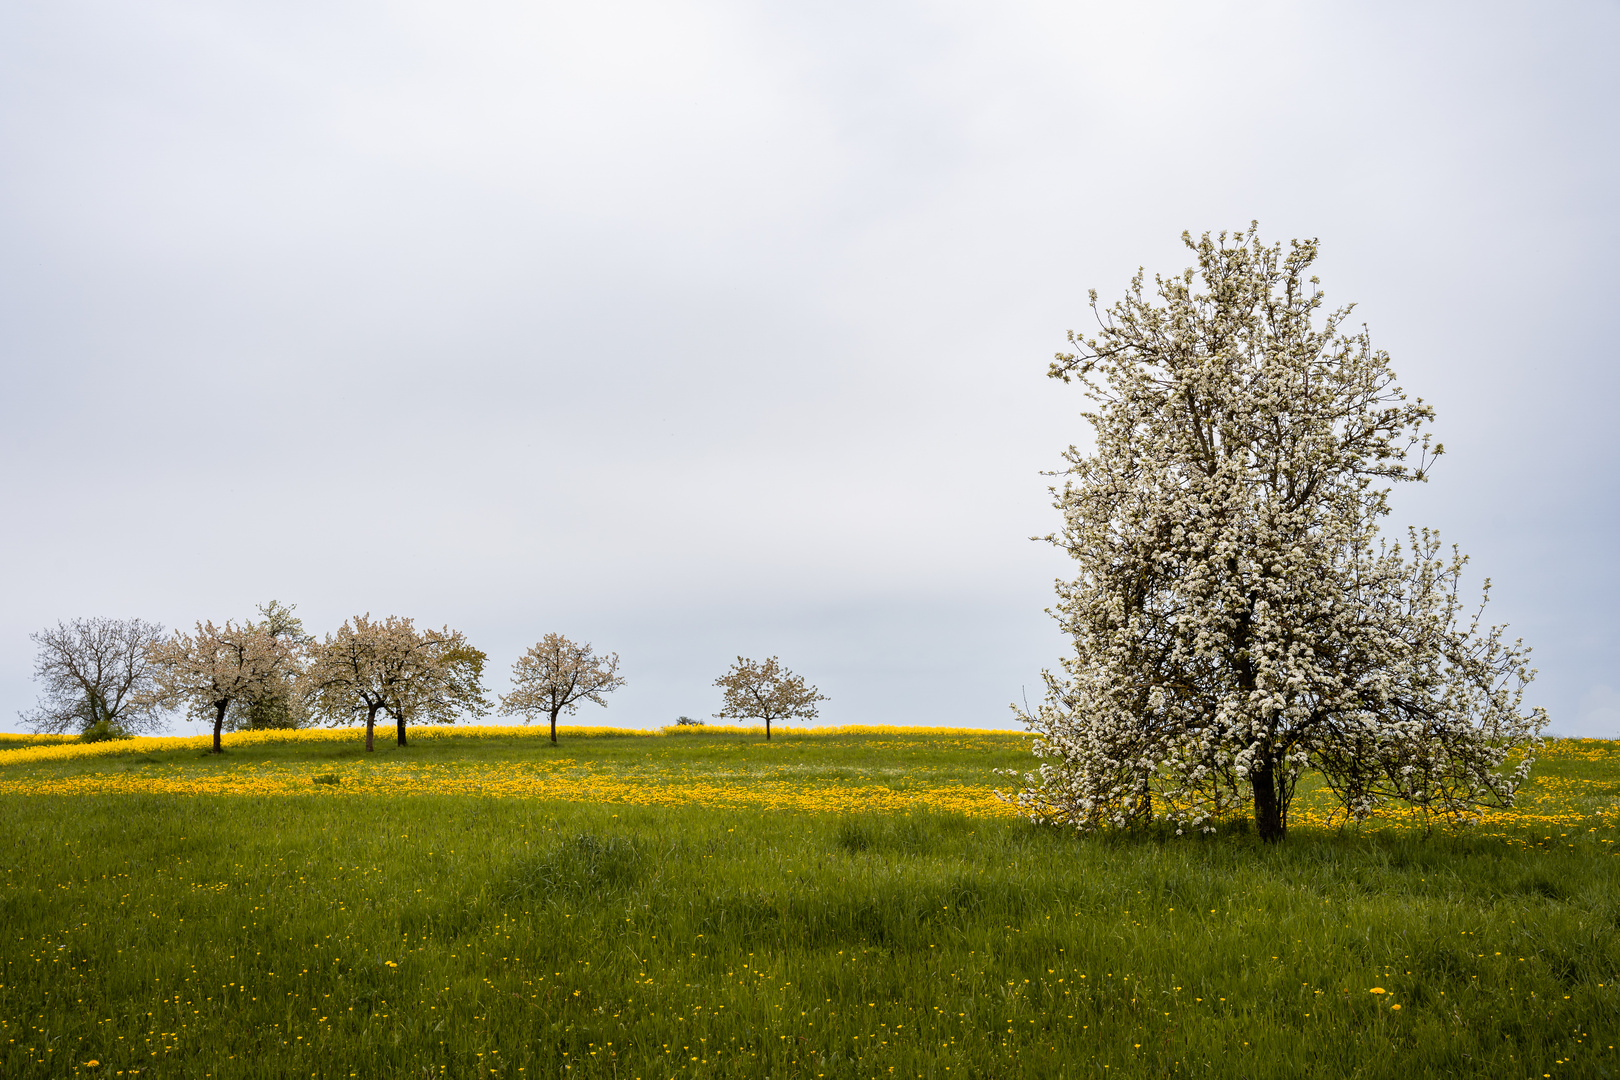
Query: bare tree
x,y
206,673
94,671
556,675
390,667
766,691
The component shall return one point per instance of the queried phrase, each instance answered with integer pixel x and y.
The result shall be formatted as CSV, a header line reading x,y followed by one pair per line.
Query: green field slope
x,y
841,905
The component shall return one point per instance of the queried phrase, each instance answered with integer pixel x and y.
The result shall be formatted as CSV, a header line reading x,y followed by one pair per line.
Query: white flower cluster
x,y
1236,618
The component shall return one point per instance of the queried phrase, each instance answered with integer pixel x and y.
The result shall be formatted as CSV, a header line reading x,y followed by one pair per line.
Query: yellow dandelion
x,y
1377,990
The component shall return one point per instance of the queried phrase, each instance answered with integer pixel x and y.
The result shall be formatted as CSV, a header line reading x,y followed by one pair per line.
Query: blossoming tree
x,y
388,666
207,672
1236,617
555,675
766,691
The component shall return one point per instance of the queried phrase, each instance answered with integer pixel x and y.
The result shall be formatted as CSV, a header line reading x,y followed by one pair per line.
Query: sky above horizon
x,y
699,330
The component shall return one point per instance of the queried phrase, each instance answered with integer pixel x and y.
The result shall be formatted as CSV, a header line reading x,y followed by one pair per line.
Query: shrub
x,y
104,731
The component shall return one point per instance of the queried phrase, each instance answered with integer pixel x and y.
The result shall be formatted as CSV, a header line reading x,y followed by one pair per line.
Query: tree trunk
x,y
1270,812
219,722
371,724
554,713
767,729
1270,815
401,720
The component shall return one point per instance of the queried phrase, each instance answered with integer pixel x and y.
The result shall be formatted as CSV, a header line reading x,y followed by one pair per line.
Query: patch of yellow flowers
x,y
645,783
562,780
652,783
44,748
1554,806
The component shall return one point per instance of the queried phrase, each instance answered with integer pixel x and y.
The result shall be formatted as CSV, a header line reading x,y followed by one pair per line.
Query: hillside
x,y
851,903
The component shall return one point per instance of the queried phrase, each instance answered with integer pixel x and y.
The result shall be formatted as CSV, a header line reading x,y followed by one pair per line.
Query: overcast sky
x,y
706,329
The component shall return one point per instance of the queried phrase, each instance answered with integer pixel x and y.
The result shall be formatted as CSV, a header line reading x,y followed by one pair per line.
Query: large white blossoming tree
x,y
1237,618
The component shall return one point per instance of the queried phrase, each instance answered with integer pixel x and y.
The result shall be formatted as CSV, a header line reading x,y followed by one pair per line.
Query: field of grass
x,y
852,904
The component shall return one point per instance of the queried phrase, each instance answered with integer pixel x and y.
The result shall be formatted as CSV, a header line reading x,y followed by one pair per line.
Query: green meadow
x,y
342,934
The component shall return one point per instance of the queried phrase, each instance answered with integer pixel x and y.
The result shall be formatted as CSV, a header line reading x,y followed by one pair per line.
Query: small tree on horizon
x,y
217,667
555,675
766,691
1237,618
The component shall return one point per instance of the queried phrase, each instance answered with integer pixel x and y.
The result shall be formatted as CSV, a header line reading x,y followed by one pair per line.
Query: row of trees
x,y
103,678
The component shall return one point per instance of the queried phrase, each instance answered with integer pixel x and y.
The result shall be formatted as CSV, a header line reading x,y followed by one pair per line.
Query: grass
x,y
377,919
